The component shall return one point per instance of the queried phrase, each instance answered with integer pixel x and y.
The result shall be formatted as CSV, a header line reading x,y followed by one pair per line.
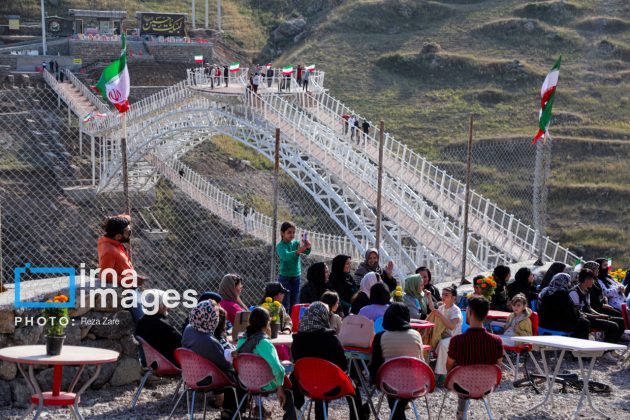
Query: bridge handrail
x,y
298,120
328,244
451,188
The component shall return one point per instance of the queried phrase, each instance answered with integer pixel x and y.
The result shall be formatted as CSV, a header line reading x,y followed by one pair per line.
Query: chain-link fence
x,y
51,217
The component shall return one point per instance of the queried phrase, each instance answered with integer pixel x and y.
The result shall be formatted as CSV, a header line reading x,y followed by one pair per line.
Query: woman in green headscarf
x,y
415,298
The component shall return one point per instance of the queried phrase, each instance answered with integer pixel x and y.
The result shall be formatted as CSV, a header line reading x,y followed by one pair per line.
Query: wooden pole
x,y
274,229
1,261
125,172
381,142
467,199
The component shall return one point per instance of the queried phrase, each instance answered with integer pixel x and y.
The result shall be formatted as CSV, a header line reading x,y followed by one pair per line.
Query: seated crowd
x,y
581,304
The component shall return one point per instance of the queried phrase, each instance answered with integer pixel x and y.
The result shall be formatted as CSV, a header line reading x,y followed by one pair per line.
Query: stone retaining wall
x,y
179,53
96,51
105,327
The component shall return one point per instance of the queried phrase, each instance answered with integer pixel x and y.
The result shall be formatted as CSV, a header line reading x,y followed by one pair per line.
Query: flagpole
x,y
467,199
125,171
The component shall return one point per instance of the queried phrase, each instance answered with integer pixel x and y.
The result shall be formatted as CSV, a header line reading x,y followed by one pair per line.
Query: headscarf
x,y
397,317
591,265
367,256
316,317
227,289
559,282
204,317
555,268
316,275
603,274
204,296
521,277
379,294
369,280
412,286
337,266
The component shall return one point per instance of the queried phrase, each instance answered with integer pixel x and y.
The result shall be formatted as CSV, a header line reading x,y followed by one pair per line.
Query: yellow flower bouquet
x,y
398,294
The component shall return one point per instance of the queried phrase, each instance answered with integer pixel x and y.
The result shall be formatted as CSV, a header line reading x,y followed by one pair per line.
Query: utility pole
x,y
467,199
379,186
206,21
43,28
193,15
219,15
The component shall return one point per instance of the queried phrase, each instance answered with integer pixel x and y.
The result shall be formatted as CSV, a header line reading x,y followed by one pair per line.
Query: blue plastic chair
x,y
378,325
465,325
545,331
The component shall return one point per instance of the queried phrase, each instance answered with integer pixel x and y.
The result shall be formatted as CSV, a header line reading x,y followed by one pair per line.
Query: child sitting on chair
x,y
519,322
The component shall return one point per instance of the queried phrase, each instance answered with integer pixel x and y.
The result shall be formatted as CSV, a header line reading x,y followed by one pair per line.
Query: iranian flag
x,y
199,58
547,95
268,66
287,70
114,82
311,67
235,66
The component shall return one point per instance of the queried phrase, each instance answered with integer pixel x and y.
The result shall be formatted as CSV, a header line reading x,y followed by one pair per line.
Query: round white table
x,y
70,356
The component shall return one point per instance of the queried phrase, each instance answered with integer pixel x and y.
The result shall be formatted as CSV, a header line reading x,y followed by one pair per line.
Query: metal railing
x,y
493,223
255,224
413,210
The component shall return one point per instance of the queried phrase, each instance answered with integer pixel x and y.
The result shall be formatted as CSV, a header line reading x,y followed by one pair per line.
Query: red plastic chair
x,y
406,378
200,375
625,313
522,347
472,382
158,365
322,381
254,373
297,311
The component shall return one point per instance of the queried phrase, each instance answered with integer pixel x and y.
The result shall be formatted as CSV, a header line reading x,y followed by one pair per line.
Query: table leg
x,y
85,386
38,391
586,377
75,380
550,380
365,387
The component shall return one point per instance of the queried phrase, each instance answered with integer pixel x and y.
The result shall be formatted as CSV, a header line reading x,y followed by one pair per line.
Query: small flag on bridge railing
x,y
268,66
89,117
287,70
311,67
235,66
199,58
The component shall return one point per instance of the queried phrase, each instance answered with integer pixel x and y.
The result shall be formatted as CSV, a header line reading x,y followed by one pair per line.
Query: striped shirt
x,y
475,347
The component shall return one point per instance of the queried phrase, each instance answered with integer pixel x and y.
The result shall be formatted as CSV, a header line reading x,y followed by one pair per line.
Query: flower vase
x,y
275,329
54,344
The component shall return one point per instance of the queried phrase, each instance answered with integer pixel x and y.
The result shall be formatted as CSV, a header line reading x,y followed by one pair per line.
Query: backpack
x,y
356,331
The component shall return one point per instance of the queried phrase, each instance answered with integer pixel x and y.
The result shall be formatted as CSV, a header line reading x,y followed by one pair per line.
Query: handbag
x,y
356,331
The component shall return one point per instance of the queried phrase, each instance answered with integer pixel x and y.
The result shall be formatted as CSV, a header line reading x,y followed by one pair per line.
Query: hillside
x,y
424,66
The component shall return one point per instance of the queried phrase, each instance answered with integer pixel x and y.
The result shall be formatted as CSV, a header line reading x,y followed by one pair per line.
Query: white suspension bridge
x,y
422,205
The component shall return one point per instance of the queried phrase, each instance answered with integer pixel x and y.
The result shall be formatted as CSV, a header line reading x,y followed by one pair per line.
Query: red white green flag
x,y
235,66
114,82
547,95
198,58
269,66
311,67
287,70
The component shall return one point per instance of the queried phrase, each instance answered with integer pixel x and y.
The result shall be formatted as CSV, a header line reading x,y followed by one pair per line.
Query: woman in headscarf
x,y
154,327
415,299
206,296
342,282
501,275
230,290
317,283
611,289
371,264
556,310
397,340
379,301
523,283
199,337
428,286
315,339
362,297
554,268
